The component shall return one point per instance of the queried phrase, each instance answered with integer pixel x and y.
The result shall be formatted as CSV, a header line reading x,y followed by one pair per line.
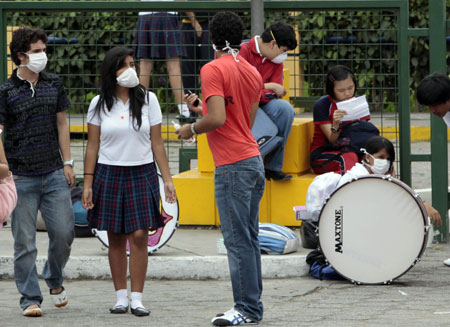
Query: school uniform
x,y
125,188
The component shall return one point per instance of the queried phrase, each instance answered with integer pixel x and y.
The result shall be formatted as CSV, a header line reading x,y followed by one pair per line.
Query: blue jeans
x,y
282,114
51,194
239,188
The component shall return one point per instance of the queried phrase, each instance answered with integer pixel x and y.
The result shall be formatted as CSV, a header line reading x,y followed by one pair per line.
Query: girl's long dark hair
x,y
114,60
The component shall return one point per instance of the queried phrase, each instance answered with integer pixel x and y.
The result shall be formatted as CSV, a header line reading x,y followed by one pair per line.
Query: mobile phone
x,y
196,102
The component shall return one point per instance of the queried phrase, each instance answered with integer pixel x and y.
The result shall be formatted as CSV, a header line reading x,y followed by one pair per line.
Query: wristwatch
x,y
68,163
334,129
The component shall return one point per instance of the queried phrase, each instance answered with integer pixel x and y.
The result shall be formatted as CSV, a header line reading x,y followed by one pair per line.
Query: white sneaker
x,y
224,313
59,299
447,262
232,318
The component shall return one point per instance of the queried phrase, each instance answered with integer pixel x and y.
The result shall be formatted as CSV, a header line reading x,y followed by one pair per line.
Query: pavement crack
x,y
313,291
183,250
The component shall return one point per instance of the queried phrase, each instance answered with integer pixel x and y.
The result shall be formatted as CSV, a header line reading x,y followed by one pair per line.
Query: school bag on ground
x,y
81,223
319,268
277,239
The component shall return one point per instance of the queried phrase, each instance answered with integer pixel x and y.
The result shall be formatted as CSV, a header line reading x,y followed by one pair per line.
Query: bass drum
x,y
156,237
373,230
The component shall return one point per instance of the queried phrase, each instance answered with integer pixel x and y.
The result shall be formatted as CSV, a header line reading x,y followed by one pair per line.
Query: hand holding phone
x,y
196,102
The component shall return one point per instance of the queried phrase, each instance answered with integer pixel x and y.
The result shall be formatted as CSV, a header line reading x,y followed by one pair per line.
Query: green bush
x,y
369,46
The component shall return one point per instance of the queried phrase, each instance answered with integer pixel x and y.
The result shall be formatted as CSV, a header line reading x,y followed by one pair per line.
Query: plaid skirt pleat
x,y
125,198
158,36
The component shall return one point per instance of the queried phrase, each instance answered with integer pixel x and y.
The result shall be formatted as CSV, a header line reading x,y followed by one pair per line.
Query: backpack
x,y
277,239
320,189
81,222
355,135
265,133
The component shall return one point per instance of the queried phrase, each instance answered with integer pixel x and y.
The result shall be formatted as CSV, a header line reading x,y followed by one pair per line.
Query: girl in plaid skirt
x,y
121,187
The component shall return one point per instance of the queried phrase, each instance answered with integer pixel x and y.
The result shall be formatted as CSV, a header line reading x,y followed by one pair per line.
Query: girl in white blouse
x,y
121,187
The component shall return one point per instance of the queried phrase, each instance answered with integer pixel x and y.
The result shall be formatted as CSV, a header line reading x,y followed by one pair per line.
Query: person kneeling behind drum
x,y
379,157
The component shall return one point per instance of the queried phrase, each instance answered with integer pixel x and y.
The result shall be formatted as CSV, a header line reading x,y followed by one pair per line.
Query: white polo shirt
x,y
120,143
447,119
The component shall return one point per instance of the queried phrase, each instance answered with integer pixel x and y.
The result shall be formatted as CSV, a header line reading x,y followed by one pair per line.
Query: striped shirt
x,y
29,117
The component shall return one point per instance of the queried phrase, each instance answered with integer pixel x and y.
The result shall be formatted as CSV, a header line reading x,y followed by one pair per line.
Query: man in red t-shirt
x,y
267,53
231,92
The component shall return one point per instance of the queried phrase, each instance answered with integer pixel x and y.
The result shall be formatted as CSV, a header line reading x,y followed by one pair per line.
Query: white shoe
x,y
447,262
32,311
232,318
59,299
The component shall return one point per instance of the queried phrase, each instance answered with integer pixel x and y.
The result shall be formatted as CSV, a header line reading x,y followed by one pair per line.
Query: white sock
x,y
122,298
136,300
183,109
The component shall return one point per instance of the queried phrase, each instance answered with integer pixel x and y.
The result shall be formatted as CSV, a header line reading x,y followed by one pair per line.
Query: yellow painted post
x,y
294,79
286,84
10,65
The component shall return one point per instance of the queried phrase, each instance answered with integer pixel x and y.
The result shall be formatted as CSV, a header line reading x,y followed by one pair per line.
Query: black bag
x,y
308,234
355,135
352,138
81,223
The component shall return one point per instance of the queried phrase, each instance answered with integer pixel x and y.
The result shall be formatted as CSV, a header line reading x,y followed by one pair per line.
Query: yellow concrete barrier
x,y
195,193
296,156
195,188
204,155
298,145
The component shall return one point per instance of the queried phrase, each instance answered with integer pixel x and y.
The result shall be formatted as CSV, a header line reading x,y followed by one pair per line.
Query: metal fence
x,y
371,37
81,32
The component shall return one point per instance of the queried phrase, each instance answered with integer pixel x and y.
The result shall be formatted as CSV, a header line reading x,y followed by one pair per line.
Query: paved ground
x,y
419,298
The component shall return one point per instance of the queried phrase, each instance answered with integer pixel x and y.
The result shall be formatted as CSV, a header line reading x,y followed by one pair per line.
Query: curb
x,y
172,268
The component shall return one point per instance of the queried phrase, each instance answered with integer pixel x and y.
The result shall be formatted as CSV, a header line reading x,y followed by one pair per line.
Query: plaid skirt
x,y
158,36
126,198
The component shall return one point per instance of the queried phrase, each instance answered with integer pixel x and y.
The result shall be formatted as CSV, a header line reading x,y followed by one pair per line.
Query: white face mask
x,y
37,62
280,58
380,166
128,78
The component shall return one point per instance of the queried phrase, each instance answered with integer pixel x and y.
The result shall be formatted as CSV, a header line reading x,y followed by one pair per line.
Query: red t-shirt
x,y
240,85
270,72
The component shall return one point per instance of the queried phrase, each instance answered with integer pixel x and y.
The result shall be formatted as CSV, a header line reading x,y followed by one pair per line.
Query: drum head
x,y
156,237
372,230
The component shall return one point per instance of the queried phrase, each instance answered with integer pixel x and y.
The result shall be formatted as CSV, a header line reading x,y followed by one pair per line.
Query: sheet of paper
x,y
356,108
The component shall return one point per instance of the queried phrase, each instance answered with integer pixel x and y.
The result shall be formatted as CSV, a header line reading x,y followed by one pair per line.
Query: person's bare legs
x,y
138,259
176,83
117,256
146,68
